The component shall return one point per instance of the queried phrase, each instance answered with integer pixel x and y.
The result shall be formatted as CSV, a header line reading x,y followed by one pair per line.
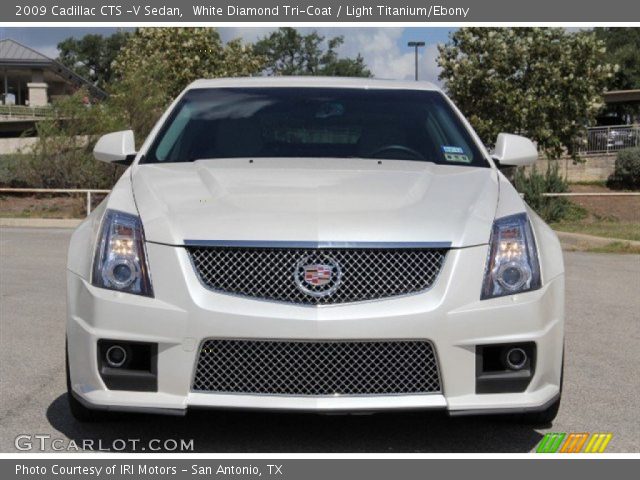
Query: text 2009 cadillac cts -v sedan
x,y
306,244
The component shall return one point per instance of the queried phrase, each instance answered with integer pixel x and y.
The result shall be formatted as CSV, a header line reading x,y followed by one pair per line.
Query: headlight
x,y
512,265
120,262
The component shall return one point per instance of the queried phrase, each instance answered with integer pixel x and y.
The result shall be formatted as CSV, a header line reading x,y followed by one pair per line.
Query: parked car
x,y
314,244
622,137
612,138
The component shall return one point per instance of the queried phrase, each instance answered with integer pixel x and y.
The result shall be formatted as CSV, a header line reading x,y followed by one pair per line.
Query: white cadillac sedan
x,y
314,244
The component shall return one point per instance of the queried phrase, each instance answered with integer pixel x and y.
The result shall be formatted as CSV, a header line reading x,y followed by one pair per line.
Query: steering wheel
x,y
401,148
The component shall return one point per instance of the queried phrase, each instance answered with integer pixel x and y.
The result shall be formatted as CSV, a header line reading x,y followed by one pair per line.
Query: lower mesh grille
x,y
317,368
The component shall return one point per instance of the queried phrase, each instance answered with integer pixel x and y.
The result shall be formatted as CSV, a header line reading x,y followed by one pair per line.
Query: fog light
x,y
515,358
116,356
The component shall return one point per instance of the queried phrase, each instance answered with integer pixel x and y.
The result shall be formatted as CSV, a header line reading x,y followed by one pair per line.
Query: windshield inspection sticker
x,y
455,154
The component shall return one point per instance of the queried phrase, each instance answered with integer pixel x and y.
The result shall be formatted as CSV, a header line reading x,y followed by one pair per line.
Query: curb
x,y
40,222
582,241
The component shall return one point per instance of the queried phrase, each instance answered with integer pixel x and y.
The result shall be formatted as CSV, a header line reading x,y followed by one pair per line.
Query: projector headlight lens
x,y
512,265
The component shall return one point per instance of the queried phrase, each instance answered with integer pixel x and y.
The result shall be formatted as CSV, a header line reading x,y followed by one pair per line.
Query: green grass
x,y
51,212
574,213
607,229
615,247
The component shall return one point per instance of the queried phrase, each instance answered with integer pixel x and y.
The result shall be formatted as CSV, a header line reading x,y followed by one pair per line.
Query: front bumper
x,y
184,313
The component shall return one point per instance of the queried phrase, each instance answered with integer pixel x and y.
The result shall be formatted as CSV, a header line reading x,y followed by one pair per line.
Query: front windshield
x,y
314,122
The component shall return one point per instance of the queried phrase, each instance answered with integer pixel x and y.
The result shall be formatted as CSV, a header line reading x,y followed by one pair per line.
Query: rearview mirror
x,y
116,147
514,150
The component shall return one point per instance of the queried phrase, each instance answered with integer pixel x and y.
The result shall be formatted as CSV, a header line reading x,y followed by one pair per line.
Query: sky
x,y
384,49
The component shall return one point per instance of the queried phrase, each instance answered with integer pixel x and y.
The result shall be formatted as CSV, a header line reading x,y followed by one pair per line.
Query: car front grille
x,y
273,367
317,276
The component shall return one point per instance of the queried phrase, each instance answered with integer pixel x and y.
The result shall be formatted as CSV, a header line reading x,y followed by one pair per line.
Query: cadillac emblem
x,y
318,275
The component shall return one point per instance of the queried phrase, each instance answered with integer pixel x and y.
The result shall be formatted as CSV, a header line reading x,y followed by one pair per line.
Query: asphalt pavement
x,y
601,390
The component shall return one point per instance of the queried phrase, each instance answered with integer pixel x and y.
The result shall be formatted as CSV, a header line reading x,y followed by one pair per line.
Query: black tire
x,y
548,415
544,417
78,410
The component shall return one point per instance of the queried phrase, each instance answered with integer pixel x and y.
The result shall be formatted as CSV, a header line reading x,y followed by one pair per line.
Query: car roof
x,y
311,82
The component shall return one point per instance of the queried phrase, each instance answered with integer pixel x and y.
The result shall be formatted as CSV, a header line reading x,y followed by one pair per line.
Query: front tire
x,y
548,415
78,410
543,417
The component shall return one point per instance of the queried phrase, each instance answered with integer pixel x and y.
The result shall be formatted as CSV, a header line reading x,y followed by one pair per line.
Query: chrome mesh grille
x,y
317,368
355,274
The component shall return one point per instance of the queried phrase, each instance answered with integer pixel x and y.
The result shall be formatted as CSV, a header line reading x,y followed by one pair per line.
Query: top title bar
x,y
318,11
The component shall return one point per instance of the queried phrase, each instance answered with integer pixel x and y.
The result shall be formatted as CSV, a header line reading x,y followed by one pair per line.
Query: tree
x,y
139,106
287,52
181,55
544,83
623,49
92,55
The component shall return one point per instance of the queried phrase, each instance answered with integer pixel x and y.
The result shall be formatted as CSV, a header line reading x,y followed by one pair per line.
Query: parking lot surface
x,y
601,390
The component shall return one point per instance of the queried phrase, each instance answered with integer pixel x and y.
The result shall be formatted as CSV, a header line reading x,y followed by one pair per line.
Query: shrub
x,y
627,170
534,184
63,155
9,165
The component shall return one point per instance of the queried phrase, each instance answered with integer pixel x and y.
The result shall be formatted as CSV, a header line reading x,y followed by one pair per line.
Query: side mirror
x,y
514,151
116,147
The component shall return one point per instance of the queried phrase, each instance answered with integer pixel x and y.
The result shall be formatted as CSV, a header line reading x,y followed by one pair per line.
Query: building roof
x,y
329,82
622,96
16,55
12,51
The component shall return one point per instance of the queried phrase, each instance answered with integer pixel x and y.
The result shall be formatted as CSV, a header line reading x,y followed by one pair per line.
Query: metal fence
x,y
604,140
22,111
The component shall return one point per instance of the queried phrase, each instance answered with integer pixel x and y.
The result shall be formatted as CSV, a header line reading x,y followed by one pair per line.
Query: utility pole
x,y
416,45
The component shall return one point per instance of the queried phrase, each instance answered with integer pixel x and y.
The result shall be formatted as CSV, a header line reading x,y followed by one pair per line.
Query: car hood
x,y
315,200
